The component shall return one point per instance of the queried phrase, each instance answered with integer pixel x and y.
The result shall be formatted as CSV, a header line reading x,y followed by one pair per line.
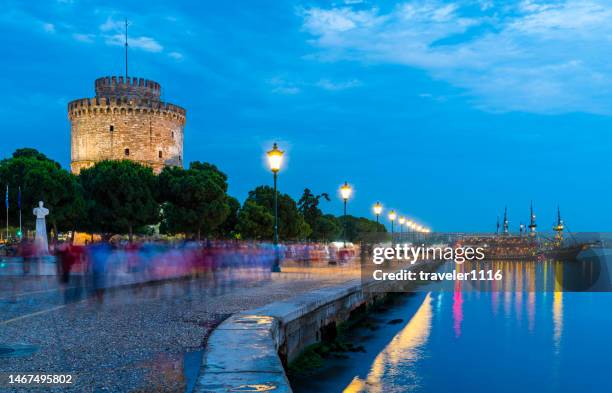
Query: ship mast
x,y
506,227
559,227
532,222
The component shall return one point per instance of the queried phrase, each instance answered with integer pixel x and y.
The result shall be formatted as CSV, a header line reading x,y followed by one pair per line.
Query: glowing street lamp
x,y
377,210
345,192
275,160
402,220
392,217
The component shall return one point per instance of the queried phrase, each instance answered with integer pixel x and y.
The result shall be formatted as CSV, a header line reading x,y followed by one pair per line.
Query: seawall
x,y
248,351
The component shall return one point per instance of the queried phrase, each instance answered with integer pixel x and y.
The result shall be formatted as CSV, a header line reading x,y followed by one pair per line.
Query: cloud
x,y
145,43
281,86
49,27
88,38
334,86
112,25
176,55
326,22
114,35
533,56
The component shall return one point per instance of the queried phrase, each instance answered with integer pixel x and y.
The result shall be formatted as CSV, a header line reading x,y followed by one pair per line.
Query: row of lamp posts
x,y
275,160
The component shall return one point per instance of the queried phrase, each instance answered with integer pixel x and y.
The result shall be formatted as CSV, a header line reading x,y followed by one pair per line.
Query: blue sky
x,y
445,111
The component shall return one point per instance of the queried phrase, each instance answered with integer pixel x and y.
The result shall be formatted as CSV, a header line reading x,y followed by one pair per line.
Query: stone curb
x,y
243,353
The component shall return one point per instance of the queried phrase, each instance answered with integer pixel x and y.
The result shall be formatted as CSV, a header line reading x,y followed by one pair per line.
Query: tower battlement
x,y
123,105
118,86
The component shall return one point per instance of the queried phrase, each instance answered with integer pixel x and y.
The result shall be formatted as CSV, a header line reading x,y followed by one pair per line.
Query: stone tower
x,y
126,120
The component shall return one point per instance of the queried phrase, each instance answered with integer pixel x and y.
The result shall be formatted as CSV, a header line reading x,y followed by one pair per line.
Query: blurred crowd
x,y
98,266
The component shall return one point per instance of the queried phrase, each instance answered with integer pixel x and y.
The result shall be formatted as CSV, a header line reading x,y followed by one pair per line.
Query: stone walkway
x,y
138,339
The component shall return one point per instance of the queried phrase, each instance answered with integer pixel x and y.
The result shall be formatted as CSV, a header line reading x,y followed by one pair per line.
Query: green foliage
x,y
33,153
291,224
357,228
327,228
255,222
120,195
195,199
323,228
228,229
308,205
44,180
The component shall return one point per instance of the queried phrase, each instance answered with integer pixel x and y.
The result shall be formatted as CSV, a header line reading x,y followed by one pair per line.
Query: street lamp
x,y
392,217
275,159
377,210
402,220
345,192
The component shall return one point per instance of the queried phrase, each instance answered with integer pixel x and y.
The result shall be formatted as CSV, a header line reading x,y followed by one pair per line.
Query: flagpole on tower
x,y
126,49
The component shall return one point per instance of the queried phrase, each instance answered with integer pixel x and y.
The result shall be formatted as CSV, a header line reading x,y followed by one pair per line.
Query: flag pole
x,y
19,203
7,206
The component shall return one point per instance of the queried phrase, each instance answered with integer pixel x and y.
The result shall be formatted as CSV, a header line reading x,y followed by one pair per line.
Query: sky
x,y
444,111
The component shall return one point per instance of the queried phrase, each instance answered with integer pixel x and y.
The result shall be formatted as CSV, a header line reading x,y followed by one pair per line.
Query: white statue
x,y
40,241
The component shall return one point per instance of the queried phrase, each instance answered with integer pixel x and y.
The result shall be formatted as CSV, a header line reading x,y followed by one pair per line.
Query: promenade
x,y
145,337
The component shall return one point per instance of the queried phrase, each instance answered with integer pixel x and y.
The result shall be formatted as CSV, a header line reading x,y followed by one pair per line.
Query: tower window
x,y
160,154
127,152
112,128
173,134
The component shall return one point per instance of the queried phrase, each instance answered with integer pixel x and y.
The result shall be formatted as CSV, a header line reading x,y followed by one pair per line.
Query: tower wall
x,y
126,126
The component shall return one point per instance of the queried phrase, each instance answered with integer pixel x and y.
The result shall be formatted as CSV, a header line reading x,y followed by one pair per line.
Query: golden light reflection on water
x,y
405,348
515,297
558,307
531,298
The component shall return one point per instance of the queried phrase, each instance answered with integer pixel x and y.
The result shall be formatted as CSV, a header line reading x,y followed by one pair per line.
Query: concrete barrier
x,y
248,351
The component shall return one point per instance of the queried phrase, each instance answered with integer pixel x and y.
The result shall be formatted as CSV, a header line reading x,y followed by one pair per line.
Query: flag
x,y
6,198
19,198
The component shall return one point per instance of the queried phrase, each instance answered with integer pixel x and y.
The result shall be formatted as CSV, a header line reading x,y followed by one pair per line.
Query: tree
x,y
308,206
255,222
228,229
35,154
358,228
326,228
42,179
194,200
121,196
291,224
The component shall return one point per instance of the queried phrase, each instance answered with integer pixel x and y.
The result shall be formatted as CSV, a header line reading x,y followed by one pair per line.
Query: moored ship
x,y
525,246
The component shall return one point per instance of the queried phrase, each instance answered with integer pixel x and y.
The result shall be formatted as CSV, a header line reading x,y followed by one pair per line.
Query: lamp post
x,y
392,217
402,220
275,159
377,210
345,192
409,224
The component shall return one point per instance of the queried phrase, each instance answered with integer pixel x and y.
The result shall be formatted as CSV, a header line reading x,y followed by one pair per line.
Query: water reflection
x,y
558,308
513,336
457,309
405,348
